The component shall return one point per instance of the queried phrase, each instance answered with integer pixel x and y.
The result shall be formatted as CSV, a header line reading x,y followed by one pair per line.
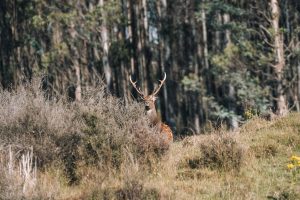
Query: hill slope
x,y
61,150
251,164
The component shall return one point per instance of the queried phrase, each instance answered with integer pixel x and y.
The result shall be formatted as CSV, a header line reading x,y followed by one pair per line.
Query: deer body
x,y
151,112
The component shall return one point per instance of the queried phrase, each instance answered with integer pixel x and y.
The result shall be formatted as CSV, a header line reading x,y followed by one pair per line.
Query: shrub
x,y
222,152
27,119
100,130
265,149
135,190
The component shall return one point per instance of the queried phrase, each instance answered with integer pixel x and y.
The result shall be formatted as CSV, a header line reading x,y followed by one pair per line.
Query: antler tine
x,y
160,85
135,87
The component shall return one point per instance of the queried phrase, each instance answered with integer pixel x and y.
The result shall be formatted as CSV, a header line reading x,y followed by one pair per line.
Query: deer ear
x,y
153,98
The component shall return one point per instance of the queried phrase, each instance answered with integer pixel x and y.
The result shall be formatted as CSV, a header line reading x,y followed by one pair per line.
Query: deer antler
x,y
135,87
161,83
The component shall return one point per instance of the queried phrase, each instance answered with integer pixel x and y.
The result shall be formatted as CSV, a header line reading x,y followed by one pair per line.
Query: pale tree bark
x,y
207,78
279,58
122,36
142,28
164,49
196,63
204,35
226,20
76,65
105,46
145,43
129,34
232,93
78,81
217,45
297,94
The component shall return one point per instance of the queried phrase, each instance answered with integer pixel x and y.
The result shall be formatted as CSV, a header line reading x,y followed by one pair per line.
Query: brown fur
x,y
155,120
166,130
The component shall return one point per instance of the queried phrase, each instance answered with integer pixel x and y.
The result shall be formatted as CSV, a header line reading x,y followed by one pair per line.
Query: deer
x,y
151,112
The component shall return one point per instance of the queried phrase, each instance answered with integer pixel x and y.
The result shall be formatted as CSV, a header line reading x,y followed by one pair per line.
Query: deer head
x,y
149,100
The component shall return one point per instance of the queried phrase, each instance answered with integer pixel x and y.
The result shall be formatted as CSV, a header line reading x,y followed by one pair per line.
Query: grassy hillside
x,y
102,149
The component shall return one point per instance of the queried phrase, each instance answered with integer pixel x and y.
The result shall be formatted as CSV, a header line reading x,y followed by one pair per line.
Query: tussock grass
x,y
100,148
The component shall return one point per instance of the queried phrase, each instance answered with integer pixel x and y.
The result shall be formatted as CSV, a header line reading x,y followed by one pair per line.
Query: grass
x,y
102,149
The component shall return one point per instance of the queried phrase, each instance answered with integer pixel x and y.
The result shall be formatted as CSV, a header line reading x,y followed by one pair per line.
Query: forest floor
x,y
249,164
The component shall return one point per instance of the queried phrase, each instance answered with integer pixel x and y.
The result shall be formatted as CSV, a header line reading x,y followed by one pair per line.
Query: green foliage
x,y
248,92
212,8
38,22
192,82
224,60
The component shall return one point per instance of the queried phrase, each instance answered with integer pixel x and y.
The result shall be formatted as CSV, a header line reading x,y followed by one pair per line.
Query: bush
x,y
135,190
222,152
100,130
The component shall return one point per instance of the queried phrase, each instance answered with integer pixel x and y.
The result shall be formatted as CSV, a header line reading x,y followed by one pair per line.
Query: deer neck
x,y
153,117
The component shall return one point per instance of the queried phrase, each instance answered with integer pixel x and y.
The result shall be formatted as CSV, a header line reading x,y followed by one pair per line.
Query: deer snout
x,y
147,107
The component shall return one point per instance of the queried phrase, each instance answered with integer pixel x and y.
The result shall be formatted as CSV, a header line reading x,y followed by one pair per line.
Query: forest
x,y
73,125
225,60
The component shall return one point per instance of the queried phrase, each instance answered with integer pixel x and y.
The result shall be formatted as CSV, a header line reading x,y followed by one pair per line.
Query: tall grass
x,y
18,176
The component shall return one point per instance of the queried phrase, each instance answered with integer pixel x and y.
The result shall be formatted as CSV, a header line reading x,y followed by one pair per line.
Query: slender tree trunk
x,y
78,81
226,20
195,43
129,30
298,95
105,46
204,35
279,59
142,28
233,120
76,64
217,45
164,50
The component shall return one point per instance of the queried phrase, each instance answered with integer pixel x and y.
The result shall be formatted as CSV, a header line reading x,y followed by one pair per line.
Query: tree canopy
x,y
224,59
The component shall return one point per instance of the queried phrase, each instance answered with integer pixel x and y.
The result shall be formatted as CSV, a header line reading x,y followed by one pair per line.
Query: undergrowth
x,y
100,148
98,131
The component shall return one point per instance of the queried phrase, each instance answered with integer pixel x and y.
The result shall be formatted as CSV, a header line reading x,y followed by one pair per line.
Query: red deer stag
x,y
149,101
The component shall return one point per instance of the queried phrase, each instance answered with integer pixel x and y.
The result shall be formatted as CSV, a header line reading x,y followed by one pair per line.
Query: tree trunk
x,y
76,64
164,49
204,35
279,59
217,46
105,46
142,28
130,28
231,94
298,95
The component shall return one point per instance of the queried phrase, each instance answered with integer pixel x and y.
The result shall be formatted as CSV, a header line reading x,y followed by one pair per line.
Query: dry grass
x,y
102,149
